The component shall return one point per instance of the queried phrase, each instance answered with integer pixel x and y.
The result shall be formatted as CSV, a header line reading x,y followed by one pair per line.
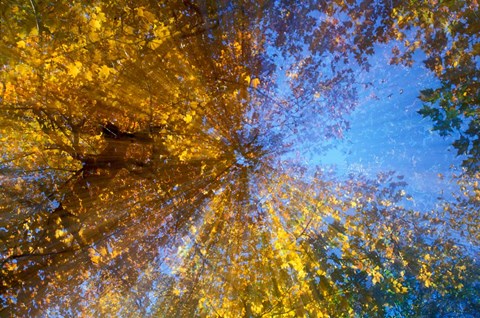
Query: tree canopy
x,y
146,161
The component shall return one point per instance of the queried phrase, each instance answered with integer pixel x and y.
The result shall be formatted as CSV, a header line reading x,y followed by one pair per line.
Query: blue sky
x,y
387,133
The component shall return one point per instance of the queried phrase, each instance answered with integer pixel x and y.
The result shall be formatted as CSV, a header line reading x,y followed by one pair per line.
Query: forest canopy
x,y
150,160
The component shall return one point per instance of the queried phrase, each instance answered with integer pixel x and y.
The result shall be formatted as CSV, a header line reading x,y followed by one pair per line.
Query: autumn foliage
x,y
146,161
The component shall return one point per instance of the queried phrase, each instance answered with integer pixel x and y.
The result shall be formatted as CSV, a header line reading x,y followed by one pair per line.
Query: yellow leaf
x,y
128,30
255,82
247,79
88,76
11,266
188,118
59,233
115,253
22,69
183,156
104,71
376,275
427,282
103,251
140,11
161,31
97,19
91,252
95,24
67,239
18,186
154,44
93,36
149,16
21,44
74,68
95,259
